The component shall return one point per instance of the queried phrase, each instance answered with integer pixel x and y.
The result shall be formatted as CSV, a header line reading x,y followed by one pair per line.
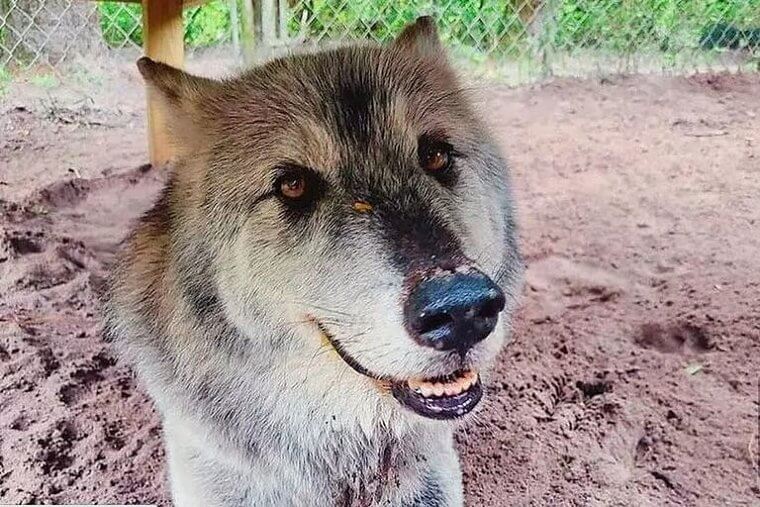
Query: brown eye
x,y
298,187
293,187
435,160
435,156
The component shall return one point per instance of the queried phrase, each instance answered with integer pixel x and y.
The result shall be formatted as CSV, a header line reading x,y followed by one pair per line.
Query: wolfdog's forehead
x,y
367,96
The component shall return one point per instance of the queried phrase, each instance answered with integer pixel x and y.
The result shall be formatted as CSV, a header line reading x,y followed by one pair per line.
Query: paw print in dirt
x,y
56,448
678,337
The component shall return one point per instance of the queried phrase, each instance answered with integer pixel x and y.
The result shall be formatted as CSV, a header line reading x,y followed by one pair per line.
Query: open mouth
x,y
443,398
446,397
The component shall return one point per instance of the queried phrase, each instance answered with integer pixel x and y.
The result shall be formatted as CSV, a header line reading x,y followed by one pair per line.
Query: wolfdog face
x,y
354,201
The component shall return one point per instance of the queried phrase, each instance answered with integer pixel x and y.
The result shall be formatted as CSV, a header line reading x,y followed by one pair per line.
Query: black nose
x,y
453,310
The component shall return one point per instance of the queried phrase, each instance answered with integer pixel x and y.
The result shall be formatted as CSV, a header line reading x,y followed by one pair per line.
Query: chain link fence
x,y
529,39
54,33
523,40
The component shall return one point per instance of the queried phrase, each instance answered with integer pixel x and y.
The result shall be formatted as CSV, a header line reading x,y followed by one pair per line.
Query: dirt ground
x,y
633,377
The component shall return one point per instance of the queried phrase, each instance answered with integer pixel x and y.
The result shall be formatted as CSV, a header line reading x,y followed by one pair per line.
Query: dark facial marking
x,y
413,232
358,99
196,282
353,115
194,277
416,235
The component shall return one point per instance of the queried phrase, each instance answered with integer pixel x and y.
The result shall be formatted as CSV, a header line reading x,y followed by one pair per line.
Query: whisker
x,y
332,322
323,309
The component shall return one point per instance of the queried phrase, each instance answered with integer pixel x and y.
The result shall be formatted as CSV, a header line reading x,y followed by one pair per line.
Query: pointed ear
x,y
182,99
421,37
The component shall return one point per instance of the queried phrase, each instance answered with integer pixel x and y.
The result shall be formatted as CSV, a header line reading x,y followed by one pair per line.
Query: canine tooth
x,y
469,380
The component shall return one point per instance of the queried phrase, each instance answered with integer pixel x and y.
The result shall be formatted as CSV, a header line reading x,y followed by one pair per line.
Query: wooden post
x,y
163,34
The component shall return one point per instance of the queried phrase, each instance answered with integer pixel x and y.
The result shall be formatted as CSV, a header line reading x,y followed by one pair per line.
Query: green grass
x,y
5,80
44,80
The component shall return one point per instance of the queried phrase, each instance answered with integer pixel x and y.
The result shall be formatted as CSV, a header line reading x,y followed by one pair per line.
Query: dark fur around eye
x,y
313,187
427,146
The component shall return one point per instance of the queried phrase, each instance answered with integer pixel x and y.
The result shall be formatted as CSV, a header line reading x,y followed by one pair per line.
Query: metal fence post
x,y
235,27
250,28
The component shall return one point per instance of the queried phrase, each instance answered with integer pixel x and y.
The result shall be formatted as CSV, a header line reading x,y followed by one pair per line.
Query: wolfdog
x,y
321,287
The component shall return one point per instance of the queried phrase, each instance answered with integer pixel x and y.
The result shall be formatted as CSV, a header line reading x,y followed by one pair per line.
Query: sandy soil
x,y
633,379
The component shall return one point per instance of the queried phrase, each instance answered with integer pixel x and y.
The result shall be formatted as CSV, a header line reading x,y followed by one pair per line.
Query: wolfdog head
x,y
349,201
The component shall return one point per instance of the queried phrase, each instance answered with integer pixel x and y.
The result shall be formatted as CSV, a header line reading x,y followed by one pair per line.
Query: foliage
x,y
120,23
628,25
486,25
493,26
206,25
44,80
502,26
5,79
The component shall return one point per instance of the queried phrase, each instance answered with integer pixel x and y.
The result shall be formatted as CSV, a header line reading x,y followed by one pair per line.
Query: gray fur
x,y
215,298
